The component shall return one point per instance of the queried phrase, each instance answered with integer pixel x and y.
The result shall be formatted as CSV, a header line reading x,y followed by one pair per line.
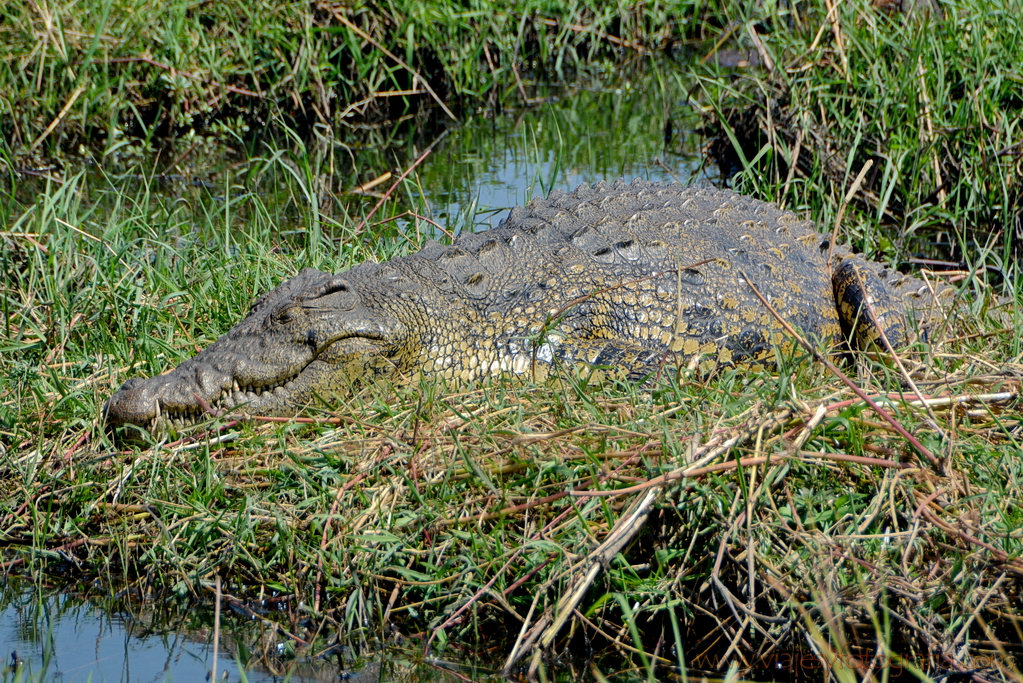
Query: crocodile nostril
x,y
335,285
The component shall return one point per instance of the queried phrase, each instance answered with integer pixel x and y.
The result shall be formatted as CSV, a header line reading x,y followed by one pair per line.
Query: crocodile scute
x,y
627,277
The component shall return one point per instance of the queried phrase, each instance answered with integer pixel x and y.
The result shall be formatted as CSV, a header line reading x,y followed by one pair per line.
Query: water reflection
x,y
640,126
63,638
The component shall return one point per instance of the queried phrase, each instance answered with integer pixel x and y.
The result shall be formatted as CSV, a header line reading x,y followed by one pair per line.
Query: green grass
x,y
931,109
101,72
404,505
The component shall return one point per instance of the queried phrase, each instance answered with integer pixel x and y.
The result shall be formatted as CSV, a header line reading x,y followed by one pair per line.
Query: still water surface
x,y
72,640
66,639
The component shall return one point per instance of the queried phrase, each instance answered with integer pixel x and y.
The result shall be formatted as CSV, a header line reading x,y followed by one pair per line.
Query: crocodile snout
x,y
191,388
132,404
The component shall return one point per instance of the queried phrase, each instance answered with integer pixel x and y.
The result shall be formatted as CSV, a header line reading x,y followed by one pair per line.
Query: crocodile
x,y
621,278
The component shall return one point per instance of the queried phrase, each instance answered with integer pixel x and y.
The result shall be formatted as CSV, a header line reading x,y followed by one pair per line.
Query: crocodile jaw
x,y
197,389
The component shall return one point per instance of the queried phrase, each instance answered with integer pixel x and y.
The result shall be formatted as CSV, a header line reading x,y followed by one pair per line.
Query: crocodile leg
x,y
612,359
867,308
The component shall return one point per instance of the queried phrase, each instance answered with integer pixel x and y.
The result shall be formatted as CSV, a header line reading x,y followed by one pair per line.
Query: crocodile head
x,y
309,337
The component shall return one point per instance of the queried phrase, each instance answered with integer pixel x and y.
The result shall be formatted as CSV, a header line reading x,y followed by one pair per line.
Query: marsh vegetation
x,y
161,168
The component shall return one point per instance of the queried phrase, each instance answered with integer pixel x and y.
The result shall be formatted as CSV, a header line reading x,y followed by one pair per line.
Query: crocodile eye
x,y
285,315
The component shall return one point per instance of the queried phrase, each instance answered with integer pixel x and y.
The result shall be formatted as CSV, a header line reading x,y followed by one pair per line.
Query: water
x,y
479,170
70,639
64,638
487,166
